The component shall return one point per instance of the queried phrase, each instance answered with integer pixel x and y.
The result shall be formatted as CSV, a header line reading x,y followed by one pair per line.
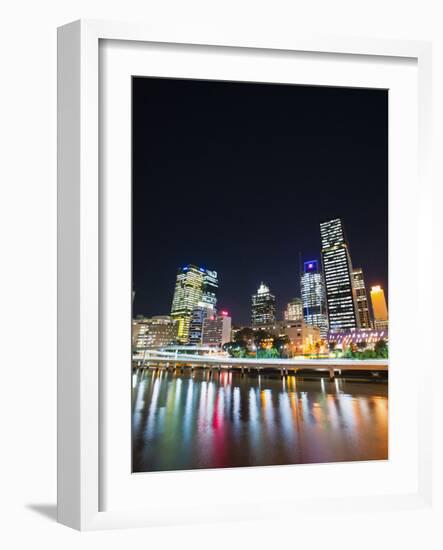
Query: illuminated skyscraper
x,y
198,317
379,308
314,297
194,287
361,298
209,289
294,310
337,270
206,307
263,306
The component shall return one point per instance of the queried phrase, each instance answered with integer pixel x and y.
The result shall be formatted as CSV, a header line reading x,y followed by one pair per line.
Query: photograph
x,y
260,327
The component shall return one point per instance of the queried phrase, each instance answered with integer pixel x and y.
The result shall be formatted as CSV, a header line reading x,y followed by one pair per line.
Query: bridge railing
x,y
150,355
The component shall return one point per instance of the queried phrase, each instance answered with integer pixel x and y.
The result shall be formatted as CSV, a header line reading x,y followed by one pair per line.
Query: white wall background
x,y
28,263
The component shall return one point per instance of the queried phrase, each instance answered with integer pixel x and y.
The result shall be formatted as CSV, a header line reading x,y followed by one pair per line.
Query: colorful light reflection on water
x,y
188,421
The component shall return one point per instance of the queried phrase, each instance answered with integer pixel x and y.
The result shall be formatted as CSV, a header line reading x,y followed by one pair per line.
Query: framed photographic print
x,y
236,219
245,351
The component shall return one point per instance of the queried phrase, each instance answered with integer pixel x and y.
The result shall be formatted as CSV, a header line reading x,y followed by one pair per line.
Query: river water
x,y
199,420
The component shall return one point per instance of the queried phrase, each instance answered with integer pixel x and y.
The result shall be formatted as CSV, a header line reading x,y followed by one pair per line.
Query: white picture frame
x,y
80,412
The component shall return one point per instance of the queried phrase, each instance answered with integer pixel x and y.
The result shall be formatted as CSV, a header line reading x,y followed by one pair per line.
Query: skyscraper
x,y
206,306
294,310
194,287
263,306
198,317
314,297
337,270
209,289
361,298
379,308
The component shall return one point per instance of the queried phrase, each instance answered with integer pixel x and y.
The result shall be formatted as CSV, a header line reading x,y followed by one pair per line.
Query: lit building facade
x,y
361,298
216,330
294,310
194,287
198,316
365,337
153,332
379,308
337,269
263,306
302,337
314,297
209,289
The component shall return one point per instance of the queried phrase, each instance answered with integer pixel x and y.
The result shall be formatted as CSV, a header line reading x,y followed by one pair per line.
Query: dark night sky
x,y
236,177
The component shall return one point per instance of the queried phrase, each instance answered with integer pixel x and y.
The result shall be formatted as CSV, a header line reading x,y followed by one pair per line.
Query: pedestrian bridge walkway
x,y
158,359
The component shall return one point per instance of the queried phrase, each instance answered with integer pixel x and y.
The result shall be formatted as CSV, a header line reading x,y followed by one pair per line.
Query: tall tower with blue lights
x,y
313,296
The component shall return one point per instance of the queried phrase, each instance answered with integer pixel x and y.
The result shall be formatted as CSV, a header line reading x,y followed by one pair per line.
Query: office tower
x,y
379,308
294,310
263,306
361,298
314,297
198,316
206,306
153,332
337,269
194,287
209,290
216,329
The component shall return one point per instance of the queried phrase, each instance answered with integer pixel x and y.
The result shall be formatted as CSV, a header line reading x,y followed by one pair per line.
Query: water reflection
x,y
226,420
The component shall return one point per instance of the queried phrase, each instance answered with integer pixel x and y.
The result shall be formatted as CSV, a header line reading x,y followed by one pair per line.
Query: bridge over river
x,y
158,359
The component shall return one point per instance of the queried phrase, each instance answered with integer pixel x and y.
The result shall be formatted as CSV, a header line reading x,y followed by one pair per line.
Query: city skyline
x,y
196,289
256,169
281,304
